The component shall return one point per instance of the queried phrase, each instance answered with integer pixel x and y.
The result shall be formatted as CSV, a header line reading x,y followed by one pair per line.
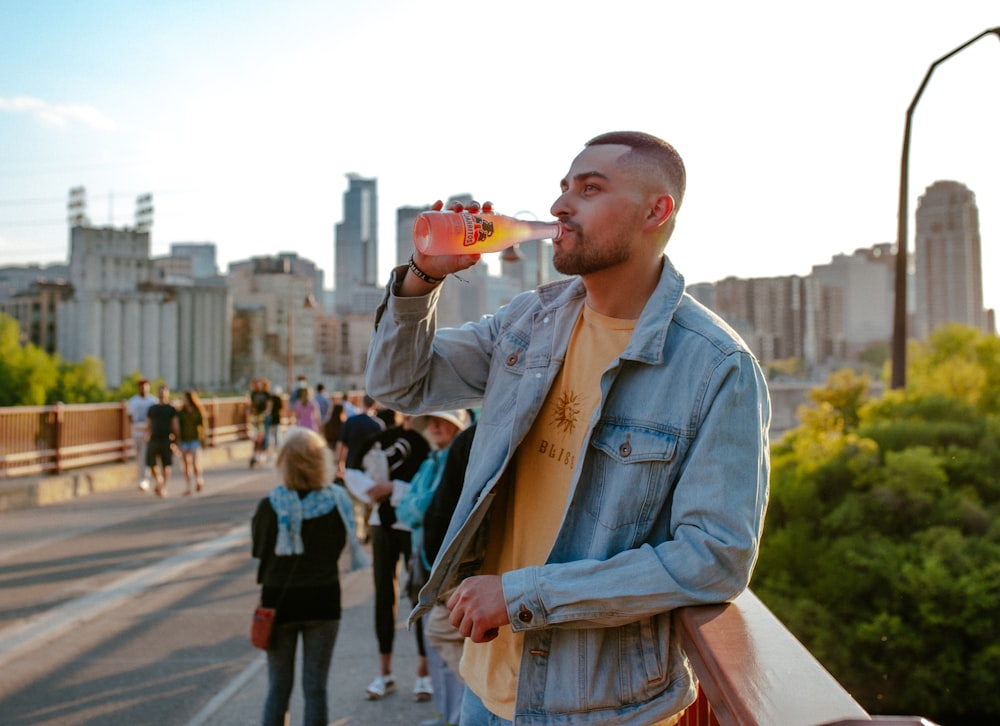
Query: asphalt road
x,y
121,608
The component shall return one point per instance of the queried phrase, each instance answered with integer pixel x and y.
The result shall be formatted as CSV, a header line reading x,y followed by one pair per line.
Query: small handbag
x,y
262,627
262,623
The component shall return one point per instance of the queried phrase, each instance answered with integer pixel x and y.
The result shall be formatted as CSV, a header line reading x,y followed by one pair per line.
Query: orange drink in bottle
x,y
465,233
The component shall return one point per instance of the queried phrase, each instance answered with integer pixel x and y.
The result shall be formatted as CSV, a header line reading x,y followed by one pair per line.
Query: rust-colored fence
x,y
52,439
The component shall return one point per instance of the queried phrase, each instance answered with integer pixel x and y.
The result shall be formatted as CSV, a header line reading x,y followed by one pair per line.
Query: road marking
x,y
222,697
37,631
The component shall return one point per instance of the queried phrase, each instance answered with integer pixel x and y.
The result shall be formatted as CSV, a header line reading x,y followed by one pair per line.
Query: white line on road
x,y
37,631
220,699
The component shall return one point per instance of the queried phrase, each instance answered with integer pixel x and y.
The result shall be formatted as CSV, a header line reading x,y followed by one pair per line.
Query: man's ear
x,y
659,213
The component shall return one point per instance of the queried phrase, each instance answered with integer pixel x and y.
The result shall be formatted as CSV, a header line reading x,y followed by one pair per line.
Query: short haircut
x,y
304,460
650,151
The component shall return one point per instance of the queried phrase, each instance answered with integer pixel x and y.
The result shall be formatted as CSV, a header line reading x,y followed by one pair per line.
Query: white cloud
x,y
58,115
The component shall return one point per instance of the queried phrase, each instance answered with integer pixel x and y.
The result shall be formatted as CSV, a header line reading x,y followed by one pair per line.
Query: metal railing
x,y
52,439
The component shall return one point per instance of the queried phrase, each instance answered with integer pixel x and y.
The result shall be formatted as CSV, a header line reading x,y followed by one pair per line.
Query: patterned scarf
x,y
292,509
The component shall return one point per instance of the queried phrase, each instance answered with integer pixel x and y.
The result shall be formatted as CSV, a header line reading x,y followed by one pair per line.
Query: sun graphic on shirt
x,y
567,412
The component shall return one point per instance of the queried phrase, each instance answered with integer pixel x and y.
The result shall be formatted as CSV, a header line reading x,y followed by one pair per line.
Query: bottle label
x,y
477,229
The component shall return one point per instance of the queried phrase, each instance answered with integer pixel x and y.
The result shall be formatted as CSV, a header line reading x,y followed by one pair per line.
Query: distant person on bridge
x,y
136,407
193,418
162,436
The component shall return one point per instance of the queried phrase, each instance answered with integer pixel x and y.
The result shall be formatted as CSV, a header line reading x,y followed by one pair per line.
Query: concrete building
x,y
273,329
202,256
16,279
772,314
854,303
948,261
121,315
35,309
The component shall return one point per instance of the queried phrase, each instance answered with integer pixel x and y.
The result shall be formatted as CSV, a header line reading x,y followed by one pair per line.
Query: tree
x,y
26,372
881,549
81,382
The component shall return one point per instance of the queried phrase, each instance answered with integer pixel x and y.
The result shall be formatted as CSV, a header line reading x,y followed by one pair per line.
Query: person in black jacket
x,y
299,531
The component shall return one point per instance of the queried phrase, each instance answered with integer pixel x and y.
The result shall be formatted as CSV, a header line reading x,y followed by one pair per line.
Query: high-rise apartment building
x,y
949,274
355,260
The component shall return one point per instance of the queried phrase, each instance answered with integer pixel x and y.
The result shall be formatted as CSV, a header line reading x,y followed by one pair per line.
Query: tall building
x,y
949,274
355,261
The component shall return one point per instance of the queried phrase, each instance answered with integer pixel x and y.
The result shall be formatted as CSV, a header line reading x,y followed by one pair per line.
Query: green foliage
x,y
31,377
882,543
81,382
26,372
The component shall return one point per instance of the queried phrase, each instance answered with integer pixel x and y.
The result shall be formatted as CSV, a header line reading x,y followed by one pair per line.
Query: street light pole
x,y
899,311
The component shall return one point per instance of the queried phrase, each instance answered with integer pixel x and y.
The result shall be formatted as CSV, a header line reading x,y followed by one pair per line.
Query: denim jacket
x,y
666,504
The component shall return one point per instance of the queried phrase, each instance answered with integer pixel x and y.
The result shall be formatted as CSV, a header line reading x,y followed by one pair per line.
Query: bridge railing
x,y
753,672
52,439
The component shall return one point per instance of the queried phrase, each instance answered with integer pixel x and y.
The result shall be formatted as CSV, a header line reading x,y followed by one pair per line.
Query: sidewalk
x,y
24,492
355,664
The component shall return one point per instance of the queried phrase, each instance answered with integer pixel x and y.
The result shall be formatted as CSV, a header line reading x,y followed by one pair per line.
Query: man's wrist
x,y
420,274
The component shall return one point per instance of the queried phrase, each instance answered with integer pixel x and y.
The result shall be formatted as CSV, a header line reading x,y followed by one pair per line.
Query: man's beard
x,y
586,257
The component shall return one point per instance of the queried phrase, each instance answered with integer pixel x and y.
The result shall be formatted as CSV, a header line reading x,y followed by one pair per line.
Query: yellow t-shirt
x,y
528,513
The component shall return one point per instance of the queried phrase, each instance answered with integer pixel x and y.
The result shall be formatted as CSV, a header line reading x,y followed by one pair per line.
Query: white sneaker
x,y
144,485
379,687
423,691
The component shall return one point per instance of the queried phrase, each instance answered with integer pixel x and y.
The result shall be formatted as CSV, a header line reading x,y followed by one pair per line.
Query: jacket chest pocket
x,y
632,469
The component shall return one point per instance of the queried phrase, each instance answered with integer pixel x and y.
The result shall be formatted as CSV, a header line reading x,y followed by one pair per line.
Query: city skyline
x,y
244,128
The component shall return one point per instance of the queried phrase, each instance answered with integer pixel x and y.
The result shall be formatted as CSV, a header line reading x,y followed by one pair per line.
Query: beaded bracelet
x,y
423,275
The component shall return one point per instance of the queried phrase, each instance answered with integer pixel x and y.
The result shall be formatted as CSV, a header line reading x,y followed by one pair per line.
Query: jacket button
x,y
524,615
512,359
624,449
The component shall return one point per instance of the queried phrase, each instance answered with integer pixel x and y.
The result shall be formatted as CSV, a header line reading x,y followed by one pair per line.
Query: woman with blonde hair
x,y
299,531
192,417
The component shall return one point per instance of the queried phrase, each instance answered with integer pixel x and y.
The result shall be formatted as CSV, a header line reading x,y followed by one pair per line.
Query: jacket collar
x,y
648,339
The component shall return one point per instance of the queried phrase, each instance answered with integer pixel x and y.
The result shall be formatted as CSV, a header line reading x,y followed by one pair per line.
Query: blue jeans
x,y
318,638
474,713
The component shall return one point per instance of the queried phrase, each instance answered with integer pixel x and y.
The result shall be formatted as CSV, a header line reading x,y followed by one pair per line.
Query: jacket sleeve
x,y
415,367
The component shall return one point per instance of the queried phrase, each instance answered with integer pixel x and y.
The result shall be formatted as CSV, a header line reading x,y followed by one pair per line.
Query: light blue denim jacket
x,y
666,504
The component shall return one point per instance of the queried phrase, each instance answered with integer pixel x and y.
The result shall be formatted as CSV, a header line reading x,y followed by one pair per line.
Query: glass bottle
x,y
465,233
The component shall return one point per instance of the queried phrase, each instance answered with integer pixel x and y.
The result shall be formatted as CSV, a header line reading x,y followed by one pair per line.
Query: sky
x,y
244,118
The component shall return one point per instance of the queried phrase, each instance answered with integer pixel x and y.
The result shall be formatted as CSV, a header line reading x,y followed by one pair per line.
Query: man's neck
x,y
622,292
